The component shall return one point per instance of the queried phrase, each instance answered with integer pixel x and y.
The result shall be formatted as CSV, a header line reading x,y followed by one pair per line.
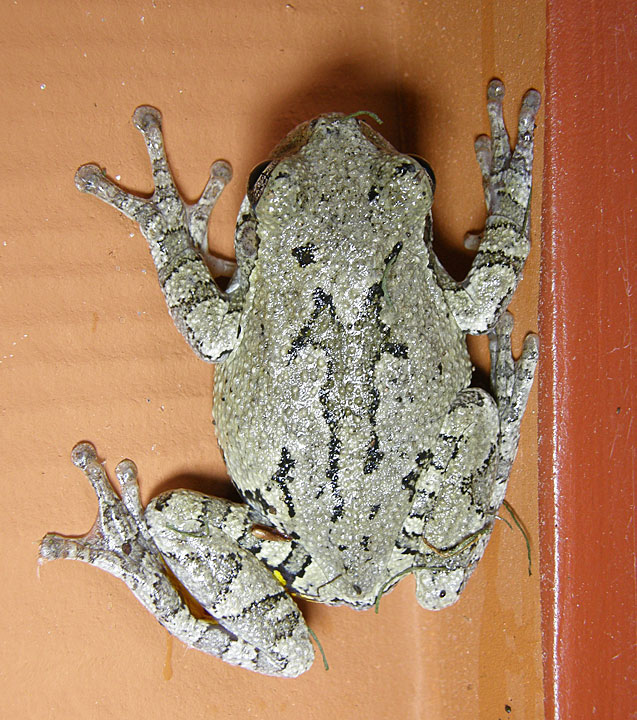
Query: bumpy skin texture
x,y
342,396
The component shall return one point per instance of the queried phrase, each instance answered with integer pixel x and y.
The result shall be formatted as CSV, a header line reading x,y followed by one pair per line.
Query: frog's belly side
x,y
321,436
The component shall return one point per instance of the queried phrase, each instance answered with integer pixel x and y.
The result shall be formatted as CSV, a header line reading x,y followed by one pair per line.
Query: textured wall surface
x,y
88,351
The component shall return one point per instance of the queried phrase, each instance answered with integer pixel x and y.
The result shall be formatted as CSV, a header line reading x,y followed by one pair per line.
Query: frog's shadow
x,y
220,487
400,102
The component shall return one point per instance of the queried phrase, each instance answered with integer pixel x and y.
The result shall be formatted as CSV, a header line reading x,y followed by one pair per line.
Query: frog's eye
x,y
256,173
428,169
256,181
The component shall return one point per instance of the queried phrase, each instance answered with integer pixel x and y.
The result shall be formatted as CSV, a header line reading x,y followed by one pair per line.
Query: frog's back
x,y
348,357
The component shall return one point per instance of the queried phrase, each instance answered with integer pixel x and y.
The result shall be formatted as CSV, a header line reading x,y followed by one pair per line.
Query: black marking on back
x,y
398,350
304,254
283,477
423,459
376,337
255,499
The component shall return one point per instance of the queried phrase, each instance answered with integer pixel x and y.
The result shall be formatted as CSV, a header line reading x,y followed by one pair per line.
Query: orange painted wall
x,y
89,352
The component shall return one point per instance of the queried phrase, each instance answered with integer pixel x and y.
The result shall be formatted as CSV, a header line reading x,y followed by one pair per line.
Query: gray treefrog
x,y
342,397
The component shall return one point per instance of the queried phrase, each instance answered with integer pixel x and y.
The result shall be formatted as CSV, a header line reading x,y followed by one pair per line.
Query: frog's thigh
x,y
451,520
198,537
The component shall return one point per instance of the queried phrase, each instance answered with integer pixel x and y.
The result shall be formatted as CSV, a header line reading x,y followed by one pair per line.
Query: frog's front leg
x,y
254,624
177,238
478,301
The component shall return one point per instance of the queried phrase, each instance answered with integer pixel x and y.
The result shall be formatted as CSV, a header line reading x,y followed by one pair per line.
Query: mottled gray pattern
x,y
342,396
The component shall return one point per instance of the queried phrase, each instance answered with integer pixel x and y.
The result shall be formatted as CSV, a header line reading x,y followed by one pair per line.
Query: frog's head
x,y
335,150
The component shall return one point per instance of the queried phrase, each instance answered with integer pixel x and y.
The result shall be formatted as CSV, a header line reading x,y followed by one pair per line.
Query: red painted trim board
x,y
587,384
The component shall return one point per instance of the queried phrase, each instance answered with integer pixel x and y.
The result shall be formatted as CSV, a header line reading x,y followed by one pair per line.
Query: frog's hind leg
x,y
462,486
176,233
511,382
254,623
451,519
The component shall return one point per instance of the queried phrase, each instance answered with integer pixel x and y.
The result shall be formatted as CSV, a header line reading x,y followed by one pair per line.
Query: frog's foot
x,y
479,300
118,542
177,237
511,382
506,174
121,543
164,211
